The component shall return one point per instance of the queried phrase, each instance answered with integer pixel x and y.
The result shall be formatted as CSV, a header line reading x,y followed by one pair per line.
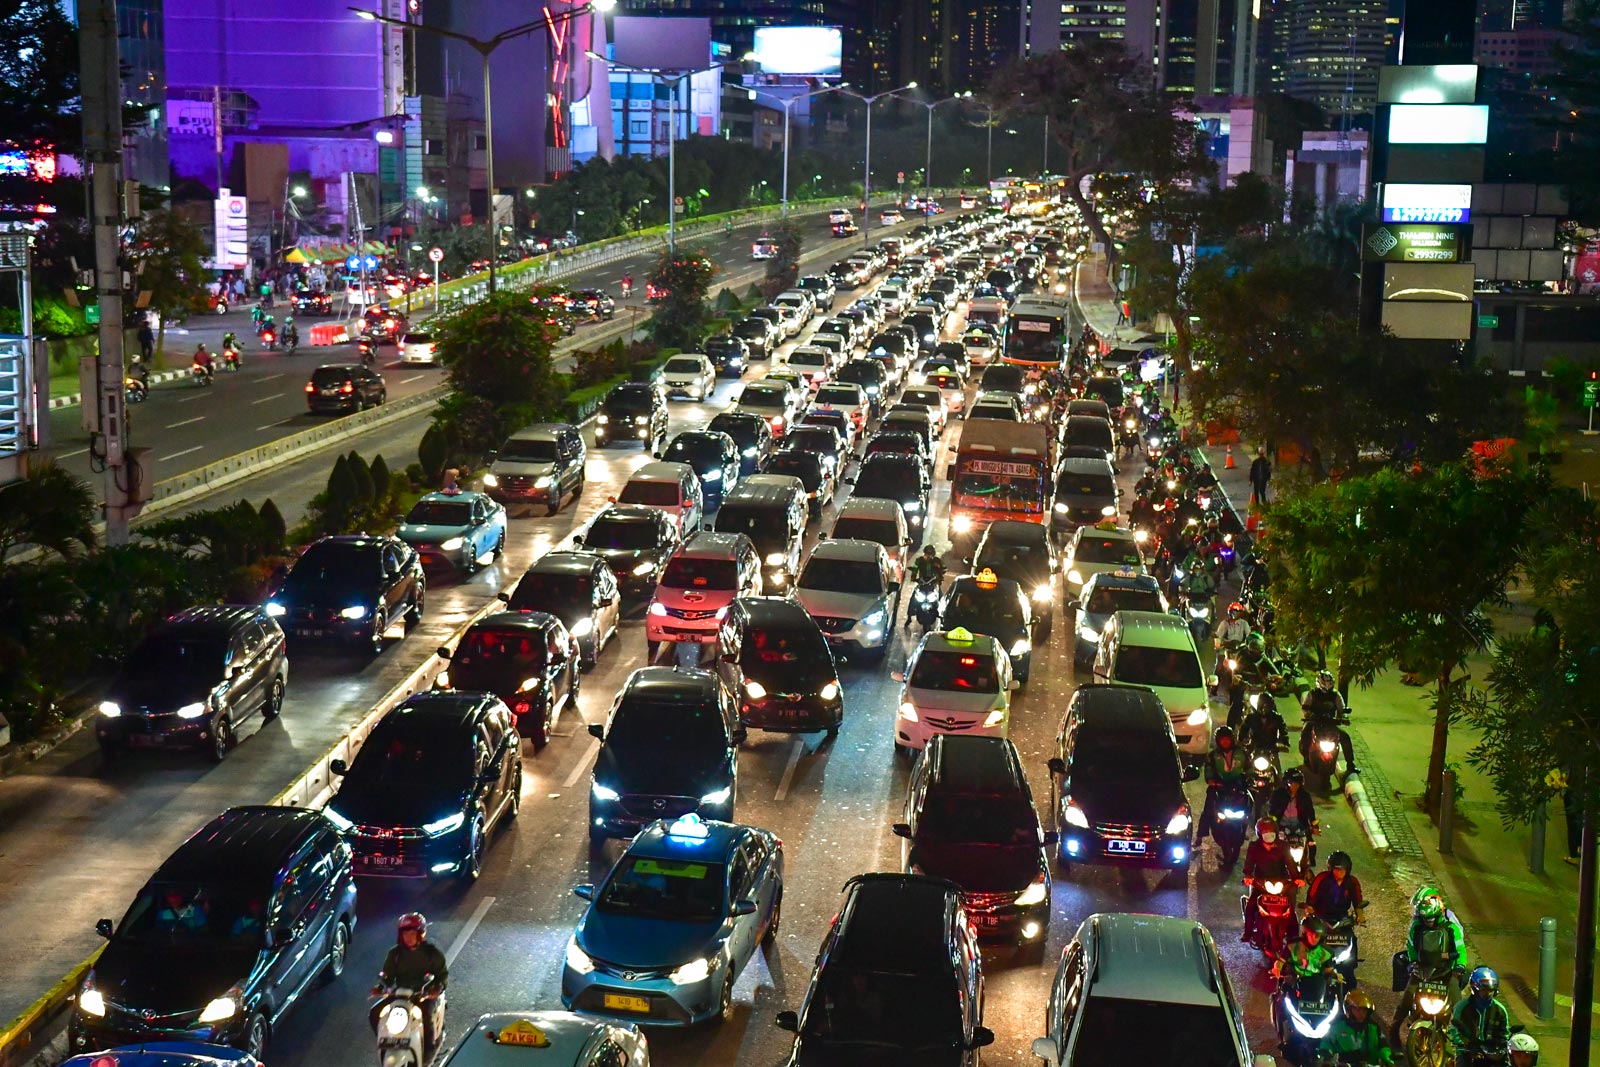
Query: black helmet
x,y
1314,926
1341,860
1294,776
929,550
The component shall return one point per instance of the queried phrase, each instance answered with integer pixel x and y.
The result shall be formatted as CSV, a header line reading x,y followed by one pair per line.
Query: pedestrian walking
x,y
147,341
1260,475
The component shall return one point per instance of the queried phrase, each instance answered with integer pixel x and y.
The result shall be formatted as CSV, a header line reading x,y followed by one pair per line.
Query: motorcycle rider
x,y
202,360
1324,708
927,567
1523,1051
1480,1026
1430,918
1226,768
627,286
1305,956
1291,804
1263,727
1265,859
1142,513
291,332
256,315
413,963
230,348
1233,630
1336,893
1356,1037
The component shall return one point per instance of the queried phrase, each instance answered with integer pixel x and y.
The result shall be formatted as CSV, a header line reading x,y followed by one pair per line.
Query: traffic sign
x,y
91,314
1488,322
900,176
436,254
677,200
1591,393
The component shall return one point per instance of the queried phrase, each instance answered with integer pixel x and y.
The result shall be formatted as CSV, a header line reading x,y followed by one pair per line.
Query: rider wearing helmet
x,y
1226,767
1266,859
1435,943
1262,727
1355,1036
1480,1027
1233,629
413,963
1335,892
1291,801
1523,1051
927,567
1305,956
1324,707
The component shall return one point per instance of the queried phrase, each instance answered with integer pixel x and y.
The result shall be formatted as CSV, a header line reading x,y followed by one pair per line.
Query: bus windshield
x,y
1003,485
1035,339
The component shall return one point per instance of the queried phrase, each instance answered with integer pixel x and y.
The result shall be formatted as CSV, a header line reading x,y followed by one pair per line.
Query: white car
x,y
1105,547
932,398
846,397
893,299
852,591
812,363
891,217
418,347
838,215
689,374
790,319
798,299
775,401
765,248
954,682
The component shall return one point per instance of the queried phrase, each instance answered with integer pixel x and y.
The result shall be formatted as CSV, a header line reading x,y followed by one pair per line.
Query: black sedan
x,y
715,458
727,353
750,433
580,589
593,303
1026,553
635,541
342,388
313,302
351,588
526,658
901,477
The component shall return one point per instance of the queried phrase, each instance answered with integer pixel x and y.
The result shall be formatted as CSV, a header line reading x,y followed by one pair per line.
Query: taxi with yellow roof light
x,y
955,682
1102,547
986,603
549,1039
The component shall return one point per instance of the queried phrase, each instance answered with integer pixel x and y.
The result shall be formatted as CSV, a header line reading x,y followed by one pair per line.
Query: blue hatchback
x,y
669,930
166,1054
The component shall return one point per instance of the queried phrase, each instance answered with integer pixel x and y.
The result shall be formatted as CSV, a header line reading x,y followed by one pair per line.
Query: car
x,y
712,455
968,202
166,1054
1116,783
689,375
790,317
1086,494
580,589
196,680
834,418
801,301
764,248
815,472
822,290
836,345
418,346
846,328
1104,546
850,589
1104,594
898,477
824,440
914,419
1006,407
728,354
351,588
595,303
880,521
343,388
982,345
838,215
312,302
528,659
563,1038
793,379
751,434
674,922
703,577
847,228
946,371
636,542
848,397
770,509
776,401
899,979
1143,648
455,529
668,748
931,398
1004,378
1092,434
969,817
869,375
985,603
1026,553
890,217
894,299
760,335
954,681
543,463
632,411
926,325
900,441
814,364
781,670
265,895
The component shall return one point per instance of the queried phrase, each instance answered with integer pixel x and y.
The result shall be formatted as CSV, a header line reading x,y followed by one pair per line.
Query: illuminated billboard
x,y
1438,124
802,51
1426,202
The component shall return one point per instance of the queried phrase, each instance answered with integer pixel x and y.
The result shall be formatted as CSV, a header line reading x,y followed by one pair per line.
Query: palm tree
x,y
48,509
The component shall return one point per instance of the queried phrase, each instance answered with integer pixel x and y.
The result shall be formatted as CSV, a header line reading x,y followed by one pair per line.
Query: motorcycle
x,y
1197,613
1302,849
1235,812
230,359
201,374
1321,753
401,1035
1428,1036
291,344
1340,940
1275,922
369,352
1304,1010
269,337
925,603
134,390
1264,775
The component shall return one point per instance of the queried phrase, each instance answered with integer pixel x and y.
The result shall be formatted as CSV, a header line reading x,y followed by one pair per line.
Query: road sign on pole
x,y
900,176
1591,393
436,254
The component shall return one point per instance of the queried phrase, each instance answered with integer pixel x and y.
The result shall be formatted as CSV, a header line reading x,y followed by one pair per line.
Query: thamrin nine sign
x,y
1414,242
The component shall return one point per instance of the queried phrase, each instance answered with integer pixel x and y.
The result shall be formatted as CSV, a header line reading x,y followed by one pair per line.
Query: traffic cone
x,y
1229,464
1252,521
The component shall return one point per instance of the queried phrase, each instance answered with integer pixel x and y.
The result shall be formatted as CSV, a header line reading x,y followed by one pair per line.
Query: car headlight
x,y
961,524
1021,647
1074,816
776,559
691,972
603,792
577,959
1090,634
908,711
995,718
640,420
602,419
719,796
541,482
90,1002
275,610
357,612
110,709
711,476
191,711
223,1007
1075,576
829,691
647,567
444,825
1034,894
582,628
1179,823
1198,717
754,690
490,480
873,618
1061,509
340,823
658,609
1044,594
450,546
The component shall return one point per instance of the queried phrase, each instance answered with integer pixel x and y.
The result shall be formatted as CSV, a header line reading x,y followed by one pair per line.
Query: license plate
x,y
622,1003
305,631
795,713
146,740
329,392
986,920
1118,845
384,861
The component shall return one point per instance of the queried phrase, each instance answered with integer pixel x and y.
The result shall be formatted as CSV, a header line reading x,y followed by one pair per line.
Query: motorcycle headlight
x,y
1074,816
357,612
776,559
1034,894
1198,717
829,691
90,1002
1327,746
444,825
1043,594
191,711
1261,763
1272,888
1198,611
647,567
749,451
276,610
582,628
1090,634
691,972
223,1007
396,1017
640,420
711,476
995,718
1345,954
603,792
577,959
452,544
1179,823
719,796
912,506
110,709
1430,1005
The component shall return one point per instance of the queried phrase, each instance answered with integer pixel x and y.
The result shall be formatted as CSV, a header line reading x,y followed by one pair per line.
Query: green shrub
x,y
379,473
273,528
433,453
365,493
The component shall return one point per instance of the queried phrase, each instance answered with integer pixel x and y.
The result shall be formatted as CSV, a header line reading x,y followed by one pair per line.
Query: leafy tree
x,y
49,509
497,353
784,267
433,452
680,318
167,254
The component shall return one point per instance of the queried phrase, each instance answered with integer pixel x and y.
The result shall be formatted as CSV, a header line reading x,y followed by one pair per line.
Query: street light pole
x,y
927,168
866,177
788,106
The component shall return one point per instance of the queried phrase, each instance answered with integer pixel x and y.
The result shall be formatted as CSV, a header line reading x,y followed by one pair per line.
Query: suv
x,y
969,817
1143,989
771,510
899,973
526,658
1026,553
775,401
779,667
882,521
1102,547
849,587
633,411
636,542
727,353
750,433
353,587
1104,595
195,680
1116,782
543,463
1086,494
669,747
1144,648
263,896
457,754
341,388
697,586
580,589
759,334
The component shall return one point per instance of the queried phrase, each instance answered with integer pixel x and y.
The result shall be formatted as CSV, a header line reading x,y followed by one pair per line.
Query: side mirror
x,y
981,1037
950,473
744,907
577,539
898,676
788,1020
338,767
1191,771
901,829
104,928
282,935
658,453
1013,685
584,891
598,730
1057,765
894,585
504,598
739,735
443,651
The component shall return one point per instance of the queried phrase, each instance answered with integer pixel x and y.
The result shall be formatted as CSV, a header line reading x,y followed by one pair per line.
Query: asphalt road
x,y
77,839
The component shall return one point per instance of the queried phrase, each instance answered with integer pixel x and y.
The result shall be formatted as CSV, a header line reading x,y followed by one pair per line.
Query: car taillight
x,y
310,388
347,387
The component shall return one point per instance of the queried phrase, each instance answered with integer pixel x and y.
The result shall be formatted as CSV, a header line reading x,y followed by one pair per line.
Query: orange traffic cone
x,y
1229,464
1252,521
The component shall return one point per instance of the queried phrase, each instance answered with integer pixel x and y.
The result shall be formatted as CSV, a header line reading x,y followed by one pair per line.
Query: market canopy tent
x,y
330,252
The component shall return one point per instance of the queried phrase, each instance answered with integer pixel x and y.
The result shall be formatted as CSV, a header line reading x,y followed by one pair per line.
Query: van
x,y
705,575
539,464
1089,431
673,488
1085,493
1150,649
771,510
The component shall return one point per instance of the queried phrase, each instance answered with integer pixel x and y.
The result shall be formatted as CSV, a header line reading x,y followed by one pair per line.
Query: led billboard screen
x,y
810,51
1426,202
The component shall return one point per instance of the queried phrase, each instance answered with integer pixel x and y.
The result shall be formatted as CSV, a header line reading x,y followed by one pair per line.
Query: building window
x,y
479,142
639,127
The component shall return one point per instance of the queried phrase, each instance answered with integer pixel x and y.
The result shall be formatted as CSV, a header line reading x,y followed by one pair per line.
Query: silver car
x,y
850,589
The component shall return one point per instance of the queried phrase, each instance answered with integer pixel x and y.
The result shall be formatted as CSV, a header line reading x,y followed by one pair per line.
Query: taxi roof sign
x,y
520,1032
987,579
959,636
690,825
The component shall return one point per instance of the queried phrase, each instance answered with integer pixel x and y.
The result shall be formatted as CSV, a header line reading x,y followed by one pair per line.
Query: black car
x,y
1003,378
758,334
813,470
313,302
580,589
727,353
632,411
595,303
195,681
898,476
926,328
224,937
826,441
1117,783
985,603
526,658
635,541
714,457
750,433
899,979
873,378
429,786
353,588
668,747
969,817
1026,553
900,442
341,388
780,667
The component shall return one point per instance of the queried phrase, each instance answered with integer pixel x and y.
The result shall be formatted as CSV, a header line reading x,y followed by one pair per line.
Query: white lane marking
x,y
264,399
583,764
413,378
175,455
269,377
466,931
186,422
797,750
69,455
189,399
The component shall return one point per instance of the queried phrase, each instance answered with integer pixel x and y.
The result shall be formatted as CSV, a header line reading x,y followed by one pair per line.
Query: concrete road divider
x,y
1361,804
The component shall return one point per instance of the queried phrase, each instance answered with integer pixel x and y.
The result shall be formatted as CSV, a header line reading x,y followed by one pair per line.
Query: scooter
x,y
1235,812
369,352
1301,846
230,359
1197,613
400,1026
925,603
134,390
1321,753
201,374
1340,940
1304,1011
269,337
1428,1036
1275,922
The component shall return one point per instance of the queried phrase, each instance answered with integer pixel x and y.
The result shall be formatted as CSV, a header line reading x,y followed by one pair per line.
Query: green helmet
x,y
1256,643
1427,903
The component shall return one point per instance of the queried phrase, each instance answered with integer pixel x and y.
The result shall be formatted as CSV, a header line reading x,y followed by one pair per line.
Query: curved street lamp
x,y
866,180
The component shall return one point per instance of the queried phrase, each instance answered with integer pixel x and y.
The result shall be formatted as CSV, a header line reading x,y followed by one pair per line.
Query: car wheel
x,y
515,807
500,545
380,623
597,839
383,396
555,500
725,1002
769,938
274,705
472,862
338,951
255,1037
577,490
651,648
221,738
541,734
469,565
414,616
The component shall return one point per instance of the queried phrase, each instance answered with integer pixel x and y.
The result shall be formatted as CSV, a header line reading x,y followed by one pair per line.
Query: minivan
x,y
1150,649
1089,431
538,464
671,488
705,575
1086,493
770,509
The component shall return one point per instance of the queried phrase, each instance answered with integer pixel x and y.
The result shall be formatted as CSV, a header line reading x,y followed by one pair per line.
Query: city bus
x,y
1037,332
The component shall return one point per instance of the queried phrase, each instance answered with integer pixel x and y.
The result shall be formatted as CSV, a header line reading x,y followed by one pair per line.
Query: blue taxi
x,y
166,1054
456,528
668,931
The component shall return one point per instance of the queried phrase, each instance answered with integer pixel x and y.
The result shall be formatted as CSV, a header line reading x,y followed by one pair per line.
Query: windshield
x,y
812,439
645,726
620,534
196,916
891,481
648,888
440,513
689,572
960,672
922,398
651,494
1088,430
791,657
1006,490
1107,600
1003,379
751,328
1092,549
1077,483
753,397
417,339
855,1007
336,565
535,591
978,819
1108,755
629,398
406,749
683,365
168,656
1114,1030
765,525
996,612
862,374
802,465
1034,340
879,531
1010,560
500,648
742,430
696,451
1161,668
529,450
327,377
842,576
833,395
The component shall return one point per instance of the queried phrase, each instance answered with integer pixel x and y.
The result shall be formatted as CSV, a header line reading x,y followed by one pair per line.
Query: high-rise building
x,y
141,49
1335,50
1529,50
1057,24
978,37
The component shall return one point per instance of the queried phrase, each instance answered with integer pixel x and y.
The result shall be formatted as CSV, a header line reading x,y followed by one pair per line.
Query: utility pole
x,y
102,136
